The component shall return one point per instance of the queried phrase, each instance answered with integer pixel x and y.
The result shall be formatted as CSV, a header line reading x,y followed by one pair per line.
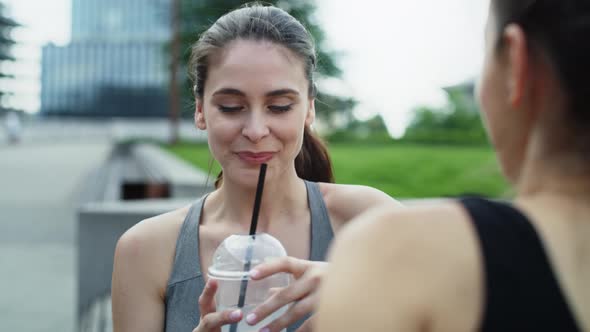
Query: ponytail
x,y
312,163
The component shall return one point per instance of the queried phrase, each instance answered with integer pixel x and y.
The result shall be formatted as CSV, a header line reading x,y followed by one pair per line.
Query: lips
x,y
255,157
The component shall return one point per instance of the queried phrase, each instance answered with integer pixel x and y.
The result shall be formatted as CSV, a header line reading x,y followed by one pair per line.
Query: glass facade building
x,y
115,64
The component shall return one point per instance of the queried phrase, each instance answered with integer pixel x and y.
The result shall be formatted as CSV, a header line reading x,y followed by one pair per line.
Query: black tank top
x,y
521,290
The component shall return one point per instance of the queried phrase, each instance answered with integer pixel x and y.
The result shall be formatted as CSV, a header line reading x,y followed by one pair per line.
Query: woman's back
x,y
445,268
412,273
524,288
564,227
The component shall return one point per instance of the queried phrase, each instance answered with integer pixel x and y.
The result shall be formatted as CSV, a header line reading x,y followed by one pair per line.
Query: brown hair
x,y
266,23
561,29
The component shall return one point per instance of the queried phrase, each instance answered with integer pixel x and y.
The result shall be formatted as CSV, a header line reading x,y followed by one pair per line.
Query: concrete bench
x,y
107,215
100,226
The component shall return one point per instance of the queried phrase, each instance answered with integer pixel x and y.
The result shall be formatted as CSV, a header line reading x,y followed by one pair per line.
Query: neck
x,y
283,195
552,166
566,178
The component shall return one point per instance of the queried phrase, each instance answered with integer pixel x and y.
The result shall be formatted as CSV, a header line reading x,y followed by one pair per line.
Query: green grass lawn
x,y
404,171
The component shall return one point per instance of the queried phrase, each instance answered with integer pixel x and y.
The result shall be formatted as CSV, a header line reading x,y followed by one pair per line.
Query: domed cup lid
x,y
231,256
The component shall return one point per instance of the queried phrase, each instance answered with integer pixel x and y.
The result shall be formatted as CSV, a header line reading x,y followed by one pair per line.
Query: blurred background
x,y
96,126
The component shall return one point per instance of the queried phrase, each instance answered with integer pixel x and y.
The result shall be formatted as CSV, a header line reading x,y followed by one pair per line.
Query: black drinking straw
x,y
257,200
253,225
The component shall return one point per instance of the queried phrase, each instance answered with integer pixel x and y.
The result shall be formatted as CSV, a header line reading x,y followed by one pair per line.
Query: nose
x,y
255,127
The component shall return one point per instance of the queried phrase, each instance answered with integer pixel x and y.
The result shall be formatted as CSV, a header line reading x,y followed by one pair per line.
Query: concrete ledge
x,y
144,206
100,227
184,179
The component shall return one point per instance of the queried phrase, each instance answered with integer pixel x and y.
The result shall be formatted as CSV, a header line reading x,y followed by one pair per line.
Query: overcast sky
x,y
397,54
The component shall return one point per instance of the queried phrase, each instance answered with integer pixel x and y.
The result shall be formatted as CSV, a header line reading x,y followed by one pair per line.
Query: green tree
x,y
372,130
6,43
457,122
197,16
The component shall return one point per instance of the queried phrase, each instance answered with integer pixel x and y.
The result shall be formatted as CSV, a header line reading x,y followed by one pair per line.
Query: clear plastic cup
x,y
230,267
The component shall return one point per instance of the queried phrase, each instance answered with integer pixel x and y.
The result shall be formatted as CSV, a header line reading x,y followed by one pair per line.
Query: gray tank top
x,y
186,281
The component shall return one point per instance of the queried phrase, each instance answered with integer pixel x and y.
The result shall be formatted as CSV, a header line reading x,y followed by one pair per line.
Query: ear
x,y
310,116
200,115
518,58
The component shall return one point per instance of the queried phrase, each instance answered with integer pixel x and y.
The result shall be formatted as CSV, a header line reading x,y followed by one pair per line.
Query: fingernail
x,y
251,318
266,329
254,273
235,315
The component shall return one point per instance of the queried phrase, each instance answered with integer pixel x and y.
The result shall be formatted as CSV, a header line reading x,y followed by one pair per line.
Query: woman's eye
x,y
230,109
280,108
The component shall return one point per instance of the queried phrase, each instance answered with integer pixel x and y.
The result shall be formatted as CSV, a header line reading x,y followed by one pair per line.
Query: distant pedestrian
x,y
13,127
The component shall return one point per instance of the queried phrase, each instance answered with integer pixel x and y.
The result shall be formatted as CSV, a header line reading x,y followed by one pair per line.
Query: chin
x,y
246,177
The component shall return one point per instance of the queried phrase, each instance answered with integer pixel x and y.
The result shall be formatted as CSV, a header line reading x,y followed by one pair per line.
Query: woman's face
x,y
254,107
501,115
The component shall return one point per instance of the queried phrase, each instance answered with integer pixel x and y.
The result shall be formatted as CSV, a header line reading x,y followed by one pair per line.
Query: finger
x,y
297,290
217,319
293,314
284,264
272,291
207,298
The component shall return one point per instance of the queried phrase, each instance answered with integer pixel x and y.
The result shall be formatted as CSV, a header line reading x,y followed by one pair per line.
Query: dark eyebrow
x,y
229,91
236,92
282,92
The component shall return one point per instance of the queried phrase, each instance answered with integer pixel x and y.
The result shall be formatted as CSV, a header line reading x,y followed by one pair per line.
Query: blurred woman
x,y
483,265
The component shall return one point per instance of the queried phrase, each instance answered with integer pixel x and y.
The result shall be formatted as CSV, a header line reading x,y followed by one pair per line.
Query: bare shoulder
x,y
419,263
344,202
152,232
400,224
150,245
143,261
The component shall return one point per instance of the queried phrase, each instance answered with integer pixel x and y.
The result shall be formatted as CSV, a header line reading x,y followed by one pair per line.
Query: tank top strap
x,y
321,228
187,263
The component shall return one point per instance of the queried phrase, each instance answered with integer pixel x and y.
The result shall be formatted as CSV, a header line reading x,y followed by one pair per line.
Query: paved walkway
x,y
41,186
